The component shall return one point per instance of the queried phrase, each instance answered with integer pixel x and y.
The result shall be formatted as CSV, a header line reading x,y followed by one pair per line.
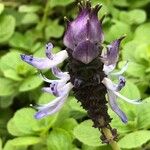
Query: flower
x,y
85,33
83,39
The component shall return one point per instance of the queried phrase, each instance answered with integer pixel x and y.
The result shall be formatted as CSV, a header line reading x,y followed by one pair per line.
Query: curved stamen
x,y
132,101
123,69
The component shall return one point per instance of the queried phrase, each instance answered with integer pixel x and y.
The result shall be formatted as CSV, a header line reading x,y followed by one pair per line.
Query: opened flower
x,y
89,69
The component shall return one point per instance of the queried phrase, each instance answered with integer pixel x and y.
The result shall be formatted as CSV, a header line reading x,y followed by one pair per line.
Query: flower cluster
x,y
83,39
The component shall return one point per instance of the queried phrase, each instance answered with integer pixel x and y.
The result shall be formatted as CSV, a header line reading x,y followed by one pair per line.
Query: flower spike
x,y
88,74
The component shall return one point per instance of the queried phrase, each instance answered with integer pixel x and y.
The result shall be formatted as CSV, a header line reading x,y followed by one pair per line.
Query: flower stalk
x,y
110,138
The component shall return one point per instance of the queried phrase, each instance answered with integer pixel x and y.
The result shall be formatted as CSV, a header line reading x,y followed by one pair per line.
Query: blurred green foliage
x,y
25,27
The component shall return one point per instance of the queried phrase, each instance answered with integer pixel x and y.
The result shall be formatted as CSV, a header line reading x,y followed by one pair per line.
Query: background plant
x,y
25,27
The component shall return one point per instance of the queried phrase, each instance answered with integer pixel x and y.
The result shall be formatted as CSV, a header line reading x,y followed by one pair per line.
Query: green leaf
x,y
136,16
1,7
12,128
87,134
7,87
12,66
60,2
128,53
7,27
29,8
137,3
143,113
117,30
30,83
105,147
23,141
59,139
132,92
24,122
135,69
76,109
9,146
121,3
135,139
29,18
6,101
69,124
19,40
142,54
53,29
143,29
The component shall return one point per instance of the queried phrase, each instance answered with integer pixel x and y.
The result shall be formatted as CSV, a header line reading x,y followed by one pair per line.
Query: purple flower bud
x,y
86,27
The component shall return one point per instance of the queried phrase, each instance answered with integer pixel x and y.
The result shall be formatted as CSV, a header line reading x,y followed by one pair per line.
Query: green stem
x,y
42,24
109,137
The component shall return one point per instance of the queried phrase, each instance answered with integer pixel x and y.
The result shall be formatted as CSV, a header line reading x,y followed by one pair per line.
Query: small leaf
x,y
30,83
105,147
7,87
6,101
135,69
24,122
75,105
132,92
135,139
136,16
144,114
59,139
53,29
137,3
128,53
1,7
21,41
29,18
23,141
117,30
121,3
12,128
76,109
29,8
142,30
7,27
69,124
87,134
11,62
9,146
142,54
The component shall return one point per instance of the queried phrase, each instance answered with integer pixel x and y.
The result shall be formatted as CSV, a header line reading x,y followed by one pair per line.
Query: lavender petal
x,y
51,108
59,74
48,51
85,26
45,63
114,106
113,51
85,52
55,105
